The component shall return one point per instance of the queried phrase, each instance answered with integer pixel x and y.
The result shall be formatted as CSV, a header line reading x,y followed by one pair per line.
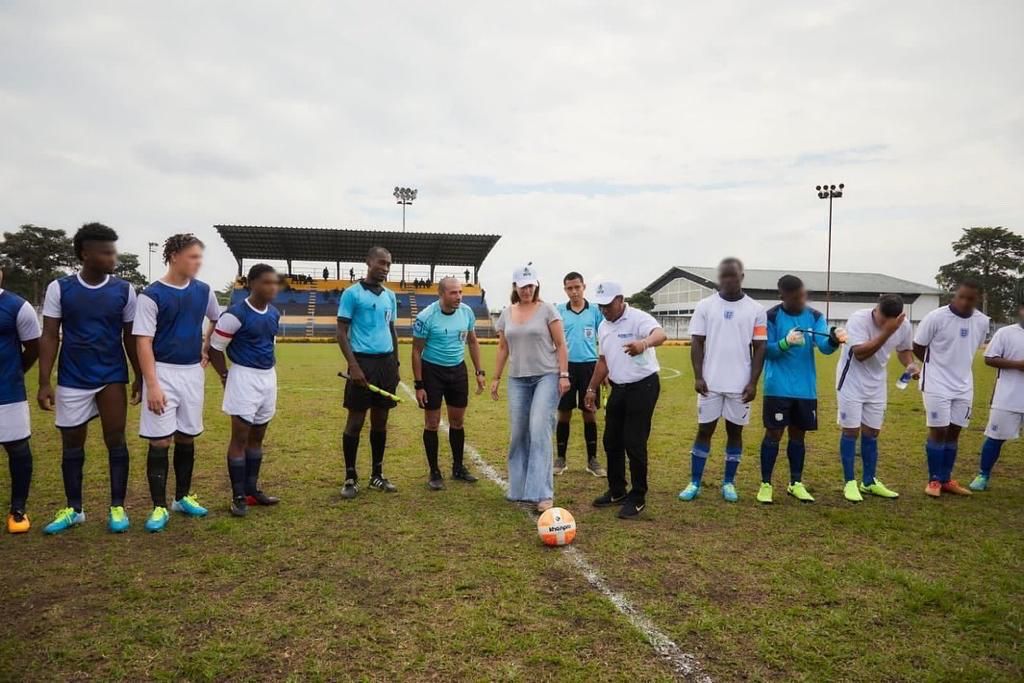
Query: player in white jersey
x,y
728,332
1006,416
946,342
861,391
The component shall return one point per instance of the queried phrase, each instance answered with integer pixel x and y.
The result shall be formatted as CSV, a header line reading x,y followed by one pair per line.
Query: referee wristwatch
x,y
563,375
481,373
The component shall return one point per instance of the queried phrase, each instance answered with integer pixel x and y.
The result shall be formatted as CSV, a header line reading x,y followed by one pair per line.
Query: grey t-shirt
x,y
530,349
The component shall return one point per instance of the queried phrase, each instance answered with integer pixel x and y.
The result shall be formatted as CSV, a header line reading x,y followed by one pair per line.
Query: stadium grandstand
x,y
309,300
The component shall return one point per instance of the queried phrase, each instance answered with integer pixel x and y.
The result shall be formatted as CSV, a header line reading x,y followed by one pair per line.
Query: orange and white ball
x,y
556,526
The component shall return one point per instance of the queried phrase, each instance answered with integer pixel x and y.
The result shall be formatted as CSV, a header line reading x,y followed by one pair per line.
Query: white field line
x,y
685,665
677,373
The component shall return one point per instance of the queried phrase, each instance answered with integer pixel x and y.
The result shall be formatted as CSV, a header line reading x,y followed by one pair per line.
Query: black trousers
x,y
627,425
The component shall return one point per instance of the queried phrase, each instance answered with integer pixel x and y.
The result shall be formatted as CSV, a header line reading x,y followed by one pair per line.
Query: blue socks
x,y
989,454
698,458
732,463
936,453
795,451
949,460
869,454
847,455
769,453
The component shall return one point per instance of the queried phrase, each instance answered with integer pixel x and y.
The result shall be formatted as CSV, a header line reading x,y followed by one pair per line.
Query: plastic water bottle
x,y
904,380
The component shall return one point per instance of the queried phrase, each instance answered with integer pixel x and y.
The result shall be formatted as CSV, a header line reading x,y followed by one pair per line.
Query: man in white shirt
x,y
946,342
861,391
1005,353
728,333
626,337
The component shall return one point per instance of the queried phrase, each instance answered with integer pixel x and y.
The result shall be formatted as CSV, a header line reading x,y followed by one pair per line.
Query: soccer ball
x,y
556,526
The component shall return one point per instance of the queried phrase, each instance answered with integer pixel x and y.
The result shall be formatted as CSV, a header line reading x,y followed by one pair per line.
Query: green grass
x,y
455,585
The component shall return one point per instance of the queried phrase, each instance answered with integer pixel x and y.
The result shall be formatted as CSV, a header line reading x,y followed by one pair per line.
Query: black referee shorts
x,y
779,411
381,370
579,380
447,383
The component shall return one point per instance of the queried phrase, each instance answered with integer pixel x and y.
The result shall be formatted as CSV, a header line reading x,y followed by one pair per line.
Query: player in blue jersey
x,y
248,331
19,348
88,316
580,320
169,332
439,338
791,382
366,336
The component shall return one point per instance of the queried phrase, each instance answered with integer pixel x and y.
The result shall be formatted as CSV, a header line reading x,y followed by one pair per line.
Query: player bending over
x,y
628,338
19,348
946,342
89,316
439,338
1005,353
861,390
580,321
366,335
724,329
169,331
247,331
791,383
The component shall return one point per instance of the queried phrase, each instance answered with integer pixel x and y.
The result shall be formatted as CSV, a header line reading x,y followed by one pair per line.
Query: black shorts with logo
x,y
448,383
381,370
579,380
801,413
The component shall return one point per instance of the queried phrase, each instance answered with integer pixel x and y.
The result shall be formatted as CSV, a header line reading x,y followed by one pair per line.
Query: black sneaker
x,y
239,507
631,509
436,482
462,474
606,499
260,498
349,489
381,484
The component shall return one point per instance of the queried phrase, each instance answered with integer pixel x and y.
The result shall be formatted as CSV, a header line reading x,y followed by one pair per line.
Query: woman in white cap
x,y
531,342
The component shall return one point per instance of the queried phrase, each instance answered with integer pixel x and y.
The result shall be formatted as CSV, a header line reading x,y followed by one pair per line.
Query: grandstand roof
x,y
863,283
335,244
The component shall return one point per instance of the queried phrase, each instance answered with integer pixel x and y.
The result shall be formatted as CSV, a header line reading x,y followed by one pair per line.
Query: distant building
x,y
680,288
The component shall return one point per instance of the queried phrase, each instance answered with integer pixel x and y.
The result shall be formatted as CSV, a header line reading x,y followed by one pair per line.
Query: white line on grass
x,y
684,664
678,373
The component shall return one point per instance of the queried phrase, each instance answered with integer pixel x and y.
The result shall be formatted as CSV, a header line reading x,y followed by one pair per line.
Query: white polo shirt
x,y
632,325
952,341
1008,343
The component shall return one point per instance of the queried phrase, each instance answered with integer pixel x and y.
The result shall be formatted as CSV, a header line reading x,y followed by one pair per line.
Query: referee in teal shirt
x,y
580,319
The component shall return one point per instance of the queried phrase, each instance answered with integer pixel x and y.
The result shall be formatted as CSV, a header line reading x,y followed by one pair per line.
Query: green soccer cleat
x,y
879,489
852,493
157,520
65,519
980,483
691,491
189,506
799,491
764,494
117,520
729,493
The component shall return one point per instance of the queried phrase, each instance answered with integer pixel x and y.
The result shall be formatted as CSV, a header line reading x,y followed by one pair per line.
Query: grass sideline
x,y
455,584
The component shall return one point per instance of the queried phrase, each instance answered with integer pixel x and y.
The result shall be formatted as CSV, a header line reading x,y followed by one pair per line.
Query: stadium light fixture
x,y
829,192
152,250
404,196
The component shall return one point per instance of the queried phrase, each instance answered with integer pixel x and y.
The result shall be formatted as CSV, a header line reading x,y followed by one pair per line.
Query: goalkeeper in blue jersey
x,y
790,382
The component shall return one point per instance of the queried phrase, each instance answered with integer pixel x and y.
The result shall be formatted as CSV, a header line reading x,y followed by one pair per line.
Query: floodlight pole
x,y
152,249
405,197
829,192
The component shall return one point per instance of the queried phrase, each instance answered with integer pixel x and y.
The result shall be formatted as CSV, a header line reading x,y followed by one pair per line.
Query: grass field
x,y
455,585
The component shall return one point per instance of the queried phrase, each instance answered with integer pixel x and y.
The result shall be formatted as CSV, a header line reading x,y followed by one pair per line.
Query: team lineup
x,y
555,361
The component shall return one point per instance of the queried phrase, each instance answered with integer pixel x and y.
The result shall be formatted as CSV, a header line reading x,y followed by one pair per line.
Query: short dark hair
x,y
731,260
790,283
92,232
891,305
376,251
969,283
180,242
573,275
258,271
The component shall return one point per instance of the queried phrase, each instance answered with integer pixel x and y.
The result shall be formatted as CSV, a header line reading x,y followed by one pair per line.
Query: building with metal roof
x,y
678,290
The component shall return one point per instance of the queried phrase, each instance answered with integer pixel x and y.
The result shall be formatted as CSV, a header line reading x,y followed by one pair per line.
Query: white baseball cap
x,y
525,275
606,293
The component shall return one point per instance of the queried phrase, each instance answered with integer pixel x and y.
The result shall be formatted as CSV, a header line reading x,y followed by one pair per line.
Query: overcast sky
x,y
618,139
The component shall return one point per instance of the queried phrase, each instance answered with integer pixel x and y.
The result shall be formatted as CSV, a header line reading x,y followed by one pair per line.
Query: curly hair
x,y
180,242
257,271
91,232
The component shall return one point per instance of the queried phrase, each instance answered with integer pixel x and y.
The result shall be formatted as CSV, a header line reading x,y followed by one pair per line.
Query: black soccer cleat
x,y
436,482
381,484
606,499
239,508
632,509
260,498
462,474
349,489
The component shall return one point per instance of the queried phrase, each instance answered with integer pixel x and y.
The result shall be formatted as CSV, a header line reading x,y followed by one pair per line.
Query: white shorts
x,y
15,424
941,411
1004,424
251,394
716,405
184,387
853,413
75,407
